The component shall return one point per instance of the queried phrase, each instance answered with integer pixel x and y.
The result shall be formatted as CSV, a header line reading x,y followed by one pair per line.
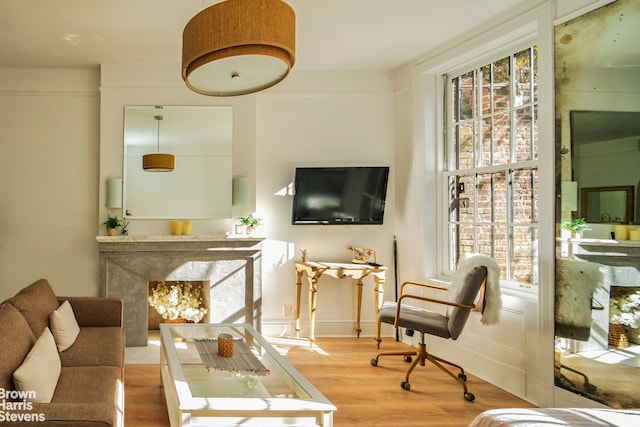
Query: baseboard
x,y
486,365
329,328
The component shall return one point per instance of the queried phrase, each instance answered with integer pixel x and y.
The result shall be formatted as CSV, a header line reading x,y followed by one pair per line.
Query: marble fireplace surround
x,y
232,265
620,262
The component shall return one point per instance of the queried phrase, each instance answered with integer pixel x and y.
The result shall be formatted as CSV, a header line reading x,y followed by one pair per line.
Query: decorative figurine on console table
x,y
304,254
362,255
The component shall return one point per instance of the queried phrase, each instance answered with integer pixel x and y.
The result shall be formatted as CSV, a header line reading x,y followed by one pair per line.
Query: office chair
x,y
476,274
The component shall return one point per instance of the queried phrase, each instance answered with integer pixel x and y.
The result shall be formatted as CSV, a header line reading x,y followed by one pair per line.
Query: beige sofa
x,y
89,390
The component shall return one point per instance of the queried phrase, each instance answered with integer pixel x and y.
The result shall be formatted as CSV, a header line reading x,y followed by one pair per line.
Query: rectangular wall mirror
x,y
200,138
607,204
605,154
597,327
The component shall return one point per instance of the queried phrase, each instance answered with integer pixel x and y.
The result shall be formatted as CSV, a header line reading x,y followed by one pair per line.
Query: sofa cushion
x,y
86,397
36,302
16,339
64,327
89,384
96,346
96,311
40,370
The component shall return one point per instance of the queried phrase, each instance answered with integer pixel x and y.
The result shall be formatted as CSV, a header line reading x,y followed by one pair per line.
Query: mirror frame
x,y
628,209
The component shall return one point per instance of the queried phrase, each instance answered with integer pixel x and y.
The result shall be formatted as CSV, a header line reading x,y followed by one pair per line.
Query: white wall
x,y
321,119
504,354
49,145
517,354
324,118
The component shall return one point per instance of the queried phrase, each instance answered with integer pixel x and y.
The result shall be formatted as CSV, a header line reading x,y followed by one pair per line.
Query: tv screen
x,y
340,195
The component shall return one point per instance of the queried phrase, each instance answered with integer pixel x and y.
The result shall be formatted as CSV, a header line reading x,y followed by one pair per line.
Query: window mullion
x,y
510,223
512,109
478,119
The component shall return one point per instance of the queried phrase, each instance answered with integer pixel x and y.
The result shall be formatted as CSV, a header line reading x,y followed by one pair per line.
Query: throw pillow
x,y
64,326
40,370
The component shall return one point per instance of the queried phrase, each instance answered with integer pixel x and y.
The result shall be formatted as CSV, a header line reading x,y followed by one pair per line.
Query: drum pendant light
x,y
238,47
158,162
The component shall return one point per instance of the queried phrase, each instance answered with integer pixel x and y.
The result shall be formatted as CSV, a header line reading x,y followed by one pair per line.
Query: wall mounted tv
x,y
340,195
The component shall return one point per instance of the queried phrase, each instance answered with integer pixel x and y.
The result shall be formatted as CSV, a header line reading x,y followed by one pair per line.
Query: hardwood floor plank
x,y
364,395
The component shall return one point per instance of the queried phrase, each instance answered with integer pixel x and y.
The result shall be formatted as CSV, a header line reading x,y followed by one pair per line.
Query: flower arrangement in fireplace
x,y
177,300
625,309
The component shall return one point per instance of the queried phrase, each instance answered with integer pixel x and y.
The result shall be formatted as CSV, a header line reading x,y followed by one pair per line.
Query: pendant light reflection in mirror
x,y
158,162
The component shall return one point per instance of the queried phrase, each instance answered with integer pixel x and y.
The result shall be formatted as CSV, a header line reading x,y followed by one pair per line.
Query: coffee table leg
x,y
162,361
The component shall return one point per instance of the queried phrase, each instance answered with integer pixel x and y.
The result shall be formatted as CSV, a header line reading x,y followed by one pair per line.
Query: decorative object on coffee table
x,y
225,345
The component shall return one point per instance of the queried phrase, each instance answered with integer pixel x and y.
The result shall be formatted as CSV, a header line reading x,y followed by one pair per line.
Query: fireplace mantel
x,y
175,242
231,264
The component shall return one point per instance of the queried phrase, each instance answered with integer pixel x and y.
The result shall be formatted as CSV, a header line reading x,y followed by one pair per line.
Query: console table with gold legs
x,y
315,270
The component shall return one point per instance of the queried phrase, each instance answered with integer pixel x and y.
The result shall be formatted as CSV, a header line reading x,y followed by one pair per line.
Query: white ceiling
x,y
331,34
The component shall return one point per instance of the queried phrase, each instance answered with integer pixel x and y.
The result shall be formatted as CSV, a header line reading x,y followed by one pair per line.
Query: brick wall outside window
x,y
492,164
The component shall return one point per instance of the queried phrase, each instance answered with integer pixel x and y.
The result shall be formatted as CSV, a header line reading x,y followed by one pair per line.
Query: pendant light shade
x,y
158,162
238,47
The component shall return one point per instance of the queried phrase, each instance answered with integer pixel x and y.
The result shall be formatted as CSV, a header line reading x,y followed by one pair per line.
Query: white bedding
x,y
551,417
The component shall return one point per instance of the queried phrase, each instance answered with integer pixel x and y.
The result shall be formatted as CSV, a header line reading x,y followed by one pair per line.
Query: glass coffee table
x,y
254,387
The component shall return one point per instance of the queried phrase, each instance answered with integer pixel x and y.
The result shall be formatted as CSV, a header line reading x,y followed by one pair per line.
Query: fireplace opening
x,y
179,301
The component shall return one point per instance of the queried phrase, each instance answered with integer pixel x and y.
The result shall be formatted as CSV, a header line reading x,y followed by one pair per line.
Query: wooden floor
x,y
364,395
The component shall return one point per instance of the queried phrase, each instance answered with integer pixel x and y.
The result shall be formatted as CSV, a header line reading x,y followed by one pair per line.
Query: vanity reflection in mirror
x,y
597,281
607,204
201,139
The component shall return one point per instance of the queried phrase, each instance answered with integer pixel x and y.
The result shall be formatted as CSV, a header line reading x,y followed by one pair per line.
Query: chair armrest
x,y
96,311
422,284
434,300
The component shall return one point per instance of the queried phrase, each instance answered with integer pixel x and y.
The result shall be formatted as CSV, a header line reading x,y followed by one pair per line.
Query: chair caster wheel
x,y
463,377
469,396
374,362
407,359
405,385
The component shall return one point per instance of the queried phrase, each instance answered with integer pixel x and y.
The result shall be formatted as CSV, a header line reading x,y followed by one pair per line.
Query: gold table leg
x,y
313,290
360,285
298,292
378,294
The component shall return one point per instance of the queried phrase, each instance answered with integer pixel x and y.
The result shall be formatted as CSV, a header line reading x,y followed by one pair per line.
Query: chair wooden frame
x,y
421,354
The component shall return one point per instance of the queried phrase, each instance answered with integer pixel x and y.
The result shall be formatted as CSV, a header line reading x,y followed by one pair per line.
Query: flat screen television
x,y
340,195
